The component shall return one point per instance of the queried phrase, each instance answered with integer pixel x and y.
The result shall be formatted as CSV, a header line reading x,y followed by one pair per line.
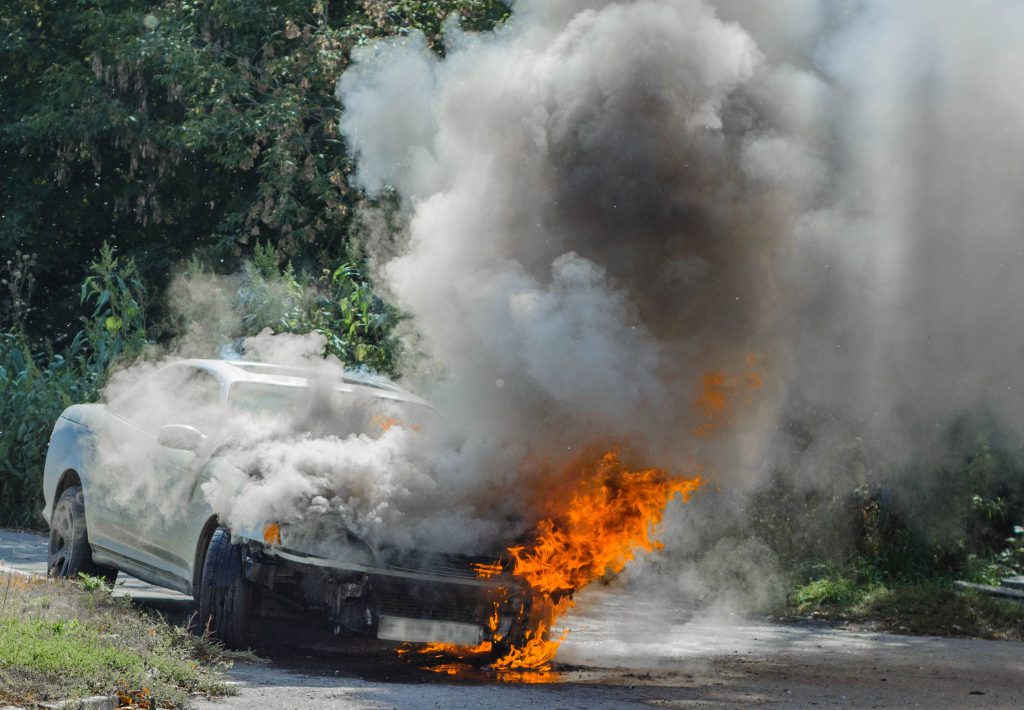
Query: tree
x,y
181,128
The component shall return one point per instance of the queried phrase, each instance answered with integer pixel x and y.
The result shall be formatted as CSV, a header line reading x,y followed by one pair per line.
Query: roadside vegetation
x,y
64,640
929,606
886,547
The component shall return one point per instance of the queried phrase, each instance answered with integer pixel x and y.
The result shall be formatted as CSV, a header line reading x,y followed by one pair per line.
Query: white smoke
x,y
579,200
607,199
324,455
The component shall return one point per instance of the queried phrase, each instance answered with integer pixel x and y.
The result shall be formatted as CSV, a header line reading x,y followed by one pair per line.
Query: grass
x,y
62,639
825,591
925,607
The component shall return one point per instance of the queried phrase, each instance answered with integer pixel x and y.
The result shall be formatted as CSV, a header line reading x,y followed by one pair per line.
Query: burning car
x,y
102,520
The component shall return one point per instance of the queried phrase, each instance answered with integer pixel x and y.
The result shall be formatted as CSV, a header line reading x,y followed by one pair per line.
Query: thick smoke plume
x,y
607,200
594,218
672,228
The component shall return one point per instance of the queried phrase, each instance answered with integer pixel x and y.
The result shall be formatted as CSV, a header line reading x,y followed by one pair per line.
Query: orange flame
x,y
721,397
595,527
610,516
384,423
272,533
464,652
486,571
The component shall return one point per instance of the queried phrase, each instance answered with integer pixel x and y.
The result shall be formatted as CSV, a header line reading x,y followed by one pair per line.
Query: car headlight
x,y
272,533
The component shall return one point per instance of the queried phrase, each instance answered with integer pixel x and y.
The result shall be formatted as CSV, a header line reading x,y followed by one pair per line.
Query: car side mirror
x,y
180,436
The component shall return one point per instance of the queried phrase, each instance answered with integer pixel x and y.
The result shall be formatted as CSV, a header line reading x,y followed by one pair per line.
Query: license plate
x,y
395,628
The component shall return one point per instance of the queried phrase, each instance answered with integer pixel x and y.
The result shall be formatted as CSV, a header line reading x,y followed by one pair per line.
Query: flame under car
x,y
105,516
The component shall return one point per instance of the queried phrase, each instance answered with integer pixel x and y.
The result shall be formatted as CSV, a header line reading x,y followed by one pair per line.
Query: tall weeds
x,y
37,382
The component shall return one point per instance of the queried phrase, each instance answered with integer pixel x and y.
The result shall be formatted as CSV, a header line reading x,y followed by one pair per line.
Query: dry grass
x,y
61,639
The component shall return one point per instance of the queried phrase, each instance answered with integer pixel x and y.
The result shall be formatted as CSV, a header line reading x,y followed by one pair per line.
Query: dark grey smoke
x,y
607,199
598,194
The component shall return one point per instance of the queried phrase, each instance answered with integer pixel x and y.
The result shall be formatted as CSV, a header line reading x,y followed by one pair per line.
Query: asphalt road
x,y
623,653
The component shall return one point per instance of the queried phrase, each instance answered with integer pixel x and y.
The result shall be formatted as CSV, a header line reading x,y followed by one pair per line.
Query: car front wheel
x,y
69,554
227,600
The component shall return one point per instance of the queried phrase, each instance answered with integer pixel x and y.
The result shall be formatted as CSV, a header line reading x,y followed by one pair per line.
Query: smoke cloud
x,y
593,220
620,213
607,200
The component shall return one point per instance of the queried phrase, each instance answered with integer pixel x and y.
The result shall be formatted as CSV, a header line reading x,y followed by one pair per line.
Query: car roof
x,y
232,371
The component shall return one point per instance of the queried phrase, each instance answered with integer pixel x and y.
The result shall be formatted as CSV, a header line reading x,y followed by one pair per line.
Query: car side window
x,y
177,394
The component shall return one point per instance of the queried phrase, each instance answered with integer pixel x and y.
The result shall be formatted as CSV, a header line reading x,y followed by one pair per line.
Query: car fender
x,y
71,448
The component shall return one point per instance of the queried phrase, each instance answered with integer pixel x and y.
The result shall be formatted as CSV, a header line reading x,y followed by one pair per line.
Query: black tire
x,y
227,600
69,552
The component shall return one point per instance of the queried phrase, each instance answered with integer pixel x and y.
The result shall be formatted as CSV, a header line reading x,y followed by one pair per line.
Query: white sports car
x,y
168,534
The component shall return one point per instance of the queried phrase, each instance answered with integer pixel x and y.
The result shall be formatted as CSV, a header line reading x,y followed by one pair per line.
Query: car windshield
x,y
349,411
259,397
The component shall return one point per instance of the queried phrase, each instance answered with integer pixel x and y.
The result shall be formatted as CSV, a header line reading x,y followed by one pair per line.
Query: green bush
x,y
955,515
338,303
832,589
358,325
36,383
183,128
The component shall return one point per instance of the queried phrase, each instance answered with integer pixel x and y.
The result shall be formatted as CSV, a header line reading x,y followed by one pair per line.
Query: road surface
x,y
628,653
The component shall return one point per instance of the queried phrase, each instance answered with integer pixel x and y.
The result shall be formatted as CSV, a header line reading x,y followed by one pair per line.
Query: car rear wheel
x,y
227,600
69,554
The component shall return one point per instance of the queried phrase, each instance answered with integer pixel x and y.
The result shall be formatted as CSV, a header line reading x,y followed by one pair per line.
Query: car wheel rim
x,y
60,543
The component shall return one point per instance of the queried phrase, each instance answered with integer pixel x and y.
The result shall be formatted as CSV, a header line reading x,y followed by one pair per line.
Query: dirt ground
x,y
624,652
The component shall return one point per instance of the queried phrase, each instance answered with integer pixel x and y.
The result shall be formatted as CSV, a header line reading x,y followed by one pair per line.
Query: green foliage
x,y
339,304
954,516
62,640
832,588
270,298
34,388
390,16
1012,555
927,607
117,327
36,384
179,128
17,281
63,646
358,325
983,570
91,583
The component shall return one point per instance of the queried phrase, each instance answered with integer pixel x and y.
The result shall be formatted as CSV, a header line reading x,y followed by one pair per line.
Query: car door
x,y
185,510
148,500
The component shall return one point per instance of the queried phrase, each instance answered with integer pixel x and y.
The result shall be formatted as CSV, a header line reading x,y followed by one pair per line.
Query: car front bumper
x,y
442,600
